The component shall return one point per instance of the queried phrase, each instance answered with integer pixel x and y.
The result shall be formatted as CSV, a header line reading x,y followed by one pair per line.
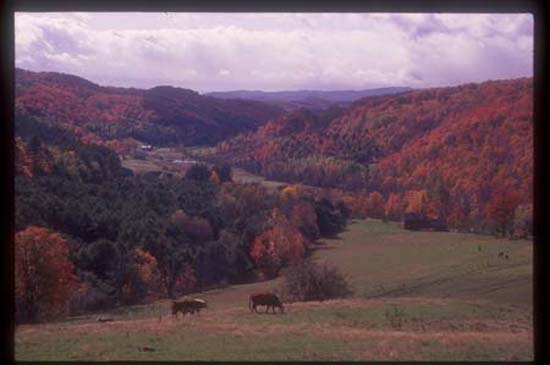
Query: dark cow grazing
x,y
267,299
105,319
500,254
188,306
146,349
506,257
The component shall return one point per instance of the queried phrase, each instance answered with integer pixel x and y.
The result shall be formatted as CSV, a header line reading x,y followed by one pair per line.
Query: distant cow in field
x,y
501,254
105,319
267,299
188,306
506,257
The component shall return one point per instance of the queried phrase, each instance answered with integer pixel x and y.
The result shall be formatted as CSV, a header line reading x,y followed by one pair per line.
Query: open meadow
x,y
417,296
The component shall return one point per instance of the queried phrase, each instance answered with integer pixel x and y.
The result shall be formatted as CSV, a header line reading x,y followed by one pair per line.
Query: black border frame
x,y
541,80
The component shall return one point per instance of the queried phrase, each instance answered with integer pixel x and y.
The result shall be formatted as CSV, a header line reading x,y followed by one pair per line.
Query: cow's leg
x,y
267,308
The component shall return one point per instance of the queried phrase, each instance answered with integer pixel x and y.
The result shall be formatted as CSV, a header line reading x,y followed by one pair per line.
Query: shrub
x,y
92,298
198,172
396,317
138,154
307,281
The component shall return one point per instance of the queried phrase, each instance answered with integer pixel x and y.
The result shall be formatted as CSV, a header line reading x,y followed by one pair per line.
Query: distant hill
x,y
160,115
310,99
467,142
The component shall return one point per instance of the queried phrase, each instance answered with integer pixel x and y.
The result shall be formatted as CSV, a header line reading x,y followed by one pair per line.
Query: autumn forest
x,y
94,234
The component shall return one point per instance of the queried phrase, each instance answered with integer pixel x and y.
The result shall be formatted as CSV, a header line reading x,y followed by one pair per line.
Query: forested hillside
x,y
96,235
460,153
111,116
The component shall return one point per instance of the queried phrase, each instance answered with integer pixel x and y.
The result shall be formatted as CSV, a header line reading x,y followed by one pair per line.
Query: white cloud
x,y
276,51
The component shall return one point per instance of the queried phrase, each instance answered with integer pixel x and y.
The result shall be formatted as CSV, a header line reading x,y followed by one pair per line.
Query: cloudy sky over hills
x,y
276,51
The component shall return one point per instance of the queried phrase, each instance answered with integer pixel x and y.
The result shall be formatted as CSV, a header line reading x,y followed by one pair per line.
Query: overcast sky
x,y
276,51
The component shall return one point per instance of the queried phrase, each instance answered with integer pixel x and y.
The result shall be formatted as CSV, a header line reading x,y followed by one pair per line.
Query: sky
x,y
276,51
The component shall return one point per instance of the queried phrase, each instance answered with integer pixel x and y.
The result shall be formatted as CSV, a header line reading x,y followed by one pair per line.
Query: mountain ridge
x,y
312,99
162,115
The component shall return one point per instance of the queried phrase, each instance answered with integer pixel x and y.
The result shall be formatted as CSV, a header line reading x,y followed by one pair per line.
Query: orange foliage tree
x,y
394,207
277,246
417,202
523,221
375,205
44,274
293,192
146,267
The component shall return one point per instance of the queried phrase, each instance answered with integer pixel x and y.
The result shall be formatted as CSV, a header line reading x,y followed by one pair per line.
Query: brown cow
x,y
267,299
188,306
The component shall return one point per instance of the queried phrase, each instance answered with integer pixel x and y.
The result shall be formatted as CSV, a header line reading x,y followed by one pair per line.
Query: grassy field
x,y
161,160
158,160
418,296
243,176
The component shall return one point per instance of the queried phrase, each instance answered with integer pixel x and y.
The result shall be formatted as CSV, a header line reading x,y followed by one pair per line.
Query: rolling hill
x,y
160,115
469,141
310,99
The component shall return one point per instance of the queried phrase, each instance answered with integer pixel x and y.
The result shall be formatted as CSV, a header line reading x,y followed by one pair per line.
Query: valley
x,y
158,206
199,184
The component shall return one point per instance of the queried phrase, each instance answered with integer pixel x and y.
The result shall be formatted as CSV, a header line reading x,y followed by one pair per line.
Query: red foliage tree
x,y
186,279
304,217
196,228
501,209
44,274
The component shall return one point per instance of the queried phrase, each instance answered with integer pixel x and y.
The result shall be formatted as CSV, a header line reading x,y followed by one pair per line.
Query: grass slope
x,y
418,296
